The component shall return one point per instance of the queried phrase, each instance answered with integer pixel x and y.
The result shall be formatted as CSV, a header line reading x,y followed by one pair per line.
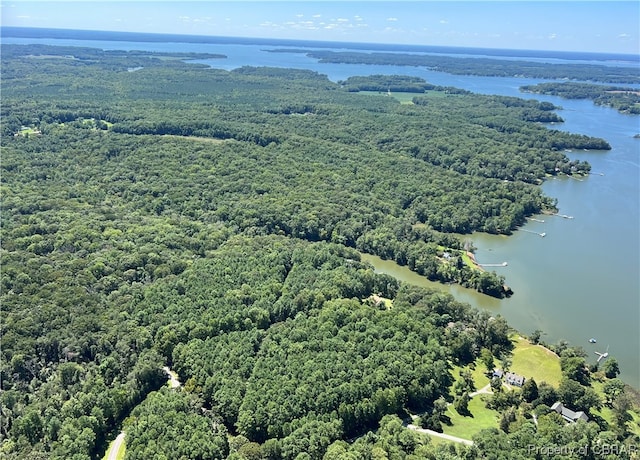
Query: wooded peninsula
x,y
488,67
623,99
159,213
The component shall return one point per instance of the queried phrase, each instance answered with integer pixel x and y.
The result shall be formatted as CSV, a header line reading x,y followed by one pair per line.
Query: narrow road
x,y
484,390
115,446
116,443
448,437
173,378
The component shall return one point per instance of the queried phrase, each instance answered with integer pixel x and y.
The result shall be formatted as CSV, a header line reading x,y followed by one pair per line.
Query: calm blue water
x,y
583,279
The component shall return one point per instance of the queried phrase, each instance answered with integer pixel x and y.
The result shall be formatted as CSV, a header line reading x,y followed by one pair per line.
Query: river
x,y
582,279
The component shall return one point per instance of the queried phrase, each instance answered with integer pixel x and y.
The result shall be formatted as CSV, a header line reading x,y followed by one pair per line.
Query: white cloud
x,y
392,19
317,16
552,36
342,20
444,21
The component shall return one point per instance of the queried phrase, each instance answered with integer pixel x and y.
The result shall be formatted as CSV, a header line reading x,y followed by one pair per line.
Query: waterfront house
x,y
514,379
569,415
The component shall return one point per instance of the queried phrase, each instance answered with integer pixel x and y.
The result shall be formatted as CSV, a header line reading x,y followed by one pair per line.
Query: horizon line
x,y
229,39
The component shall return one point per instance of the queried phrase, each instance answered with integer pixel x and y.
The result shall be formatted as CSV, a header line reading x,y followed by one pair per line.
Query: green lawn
x,y
28,130
404,98
478,371
466,427
436,441
469,263
535,361
479,375
607,414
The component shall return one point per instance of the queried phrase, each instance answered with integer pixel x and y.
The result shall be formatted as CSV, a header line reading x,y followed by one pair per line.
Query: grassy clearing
x,y
438,94
27,131
465,427
535,361
479,375
469,263
403,98
607,414
437,441
477,369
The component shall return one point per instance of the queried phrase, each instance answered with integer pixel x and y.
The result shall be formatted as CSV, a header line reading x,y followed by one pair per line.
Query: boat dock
x,y
542,235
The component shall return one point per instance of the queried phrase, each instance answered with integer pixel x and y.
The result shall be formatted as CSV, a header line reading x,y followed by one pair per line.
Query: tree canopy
x,y
162,213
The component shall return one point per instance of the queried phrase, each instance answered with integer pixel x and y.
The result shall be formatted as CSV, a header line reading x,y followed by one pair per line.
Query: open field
x,y
404,98
607,414
535,361
466,427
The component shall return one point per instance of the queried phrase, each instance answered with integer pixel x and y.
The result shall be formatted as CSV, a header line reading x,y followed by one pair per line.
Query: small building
x,y
514,379
569,415
498,373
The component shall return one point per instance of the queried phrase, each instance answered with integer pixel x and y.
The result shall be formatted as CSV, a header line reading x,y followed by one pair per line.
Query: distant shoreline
x,y
74,34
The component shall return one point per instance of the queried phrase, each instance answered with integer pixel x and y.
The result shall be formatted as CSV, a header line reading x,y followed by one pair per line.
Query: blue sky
x,y
598,26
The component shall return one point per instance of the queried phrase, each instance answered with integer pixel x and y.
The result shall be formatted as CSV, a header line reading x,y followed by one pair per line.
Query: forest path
x,y
116,443
448,437
115,446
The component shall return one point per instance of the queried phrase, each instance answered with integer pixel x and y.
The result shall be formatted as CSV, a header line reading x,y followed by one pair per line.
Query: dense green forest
x,y
487,67
160,213
623,99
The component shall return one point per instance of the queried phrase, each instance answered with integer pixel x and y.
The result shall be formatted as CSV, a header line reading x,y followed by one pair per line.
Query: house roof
x,y
568,414
514,378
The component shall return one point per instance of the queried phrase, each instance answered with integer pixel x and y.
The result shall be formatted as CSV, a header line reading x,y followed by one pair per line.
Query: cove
x,y
403,273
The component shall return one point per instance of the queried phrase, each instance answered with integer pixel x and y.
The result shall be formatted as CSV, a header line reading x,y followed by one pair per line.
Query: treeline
x,y
623,99
95,56
483,66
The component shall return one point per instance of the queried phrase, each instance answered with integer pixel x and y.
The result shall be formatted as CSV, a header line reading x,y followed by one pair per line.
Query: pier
x,y
564,216
536,220
543,234
503,264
